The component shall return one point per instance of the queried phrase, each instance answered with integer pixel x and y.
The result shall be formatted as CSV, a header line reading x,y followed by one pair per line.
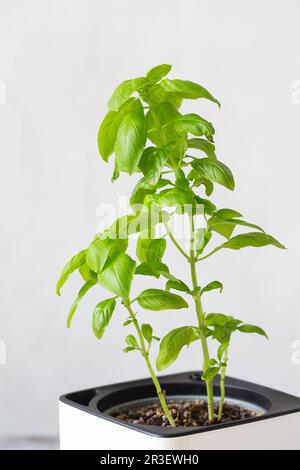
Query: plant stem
x,y
145,354
222,385
200,316
175,241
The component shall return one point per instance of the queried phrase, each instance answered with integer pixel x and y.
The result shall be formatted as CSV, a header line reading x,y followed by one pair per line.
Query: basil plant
x,y
174,156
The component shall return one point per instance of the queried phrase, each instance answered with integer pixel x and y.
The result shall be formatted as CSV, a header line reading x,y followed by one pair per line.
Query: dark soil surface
x,y
185,413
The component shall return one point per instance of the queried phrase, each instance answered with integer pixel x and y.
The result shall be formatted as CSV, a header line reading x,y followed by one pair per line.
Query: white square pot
x,y
84,424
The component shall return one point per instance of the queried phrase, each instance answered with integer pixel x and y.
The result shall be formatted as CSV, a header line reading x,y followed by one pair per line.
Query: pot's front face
x,y
86,419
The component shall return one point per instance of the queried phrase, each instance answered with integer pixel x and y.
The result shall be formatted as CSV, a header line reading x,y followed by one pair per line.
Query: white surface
x,y
60,61
83,431
29,443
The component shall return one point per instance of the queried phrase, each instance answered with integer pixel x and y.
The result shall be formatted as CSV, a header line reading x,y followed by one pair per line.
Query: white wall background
x,y
60,61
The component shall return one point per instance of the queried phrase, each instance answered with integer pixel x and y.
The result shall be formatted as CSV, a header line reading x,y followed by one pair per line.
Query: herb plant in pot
x,y
174,156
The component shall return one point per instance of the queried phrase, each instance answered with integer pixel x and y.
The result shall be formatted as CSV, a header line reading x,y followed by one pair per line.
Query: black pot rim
x,y
99,399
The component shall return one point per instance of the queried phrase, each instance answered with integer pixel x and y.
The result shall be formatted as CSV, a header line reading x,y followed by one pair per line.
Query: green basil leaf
x,y
223,326
201,144
142,246
124,91
232,323
110,125
213,362
181,181
221,350
211,373
222,334
102,315
132,341
188,89
216,319
157,299
158,72
228,214
116,174
208,207
226,227
124,226
100,249
142,189
177,285
130,141
202,238
161,115
152,163
118,246
244,223
156,249
71,266
198,179
118,274
97,254
255,239
152,268
221,226
172,344
194,124
176,197
142,221
138,195
128,349
147,332
86,273
215,171
85,288
107,135
245,328
212,286
158,95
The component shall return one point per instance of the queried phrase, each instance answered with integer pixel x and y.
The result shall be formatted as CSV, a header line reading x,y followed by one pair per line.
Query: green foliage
x,y
187,89
252,329
221,327
124,91
175,158
118,275
172,344
255,239
100,249
132,342
157,299
212,286
201,144
152,268
152,163
84,289
75,262
224,221
177,285
212,170
147,332
158,72
102,315
130,141
148,249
